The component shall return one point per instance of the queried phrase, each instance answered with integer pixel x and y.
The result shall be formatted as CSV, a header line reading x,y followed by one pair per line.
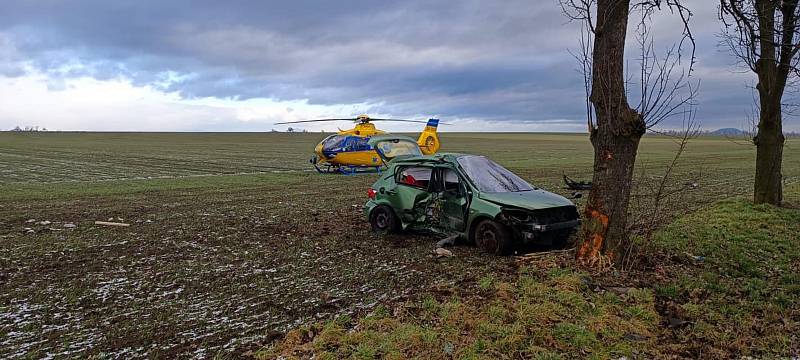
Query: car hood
x,y
530,200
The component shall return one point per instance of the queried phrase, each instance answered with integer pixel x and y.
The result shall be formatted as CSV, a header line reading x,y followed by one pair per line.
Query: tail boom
x,y
429,140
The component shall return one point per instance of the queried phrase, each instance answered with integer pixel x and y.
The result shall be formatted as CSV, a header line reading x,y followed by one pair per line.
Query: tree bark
x,y
772,71
769,153
615,138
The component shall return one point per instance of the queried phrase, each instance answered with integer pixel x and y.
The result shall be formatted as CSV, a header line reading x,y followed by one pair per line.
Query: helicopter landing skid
x,y
347,170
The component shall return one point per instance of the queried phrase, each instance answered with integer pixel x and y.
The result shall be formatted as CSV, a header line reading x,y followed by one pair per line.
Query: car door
x,y
411,193
452,191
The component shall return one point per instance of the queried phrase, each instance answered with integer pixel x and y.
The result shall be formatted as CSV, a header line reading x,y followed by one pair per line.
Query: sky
x,y
202,65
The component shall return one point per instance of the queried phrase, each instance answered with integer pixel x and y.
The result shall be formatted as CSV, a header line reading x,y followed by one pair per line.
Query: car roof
x,y
435,158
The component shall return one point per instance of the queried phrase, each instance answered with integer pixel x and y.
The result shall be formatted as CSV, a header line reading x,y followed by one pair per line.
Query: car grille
x,y
555,214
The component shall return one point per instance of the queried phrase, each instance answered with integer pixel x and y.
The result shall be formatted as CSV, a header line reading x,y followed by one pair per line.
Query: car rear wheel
x,y
383,220
493,237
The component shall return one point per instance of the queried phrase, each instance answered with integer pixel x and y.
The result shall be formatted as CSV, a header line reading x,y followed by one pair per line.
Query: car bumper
x,y
534,232
371,204
554,226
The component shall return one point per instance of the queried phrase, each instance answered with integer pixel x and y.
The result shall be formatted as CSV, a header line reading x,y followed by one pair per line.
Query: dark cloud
x,y
482,60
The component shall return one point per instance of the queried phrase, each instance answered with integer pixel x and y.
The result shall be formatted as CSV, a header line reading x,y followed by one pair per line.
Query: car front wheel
x,y
493,237
383,220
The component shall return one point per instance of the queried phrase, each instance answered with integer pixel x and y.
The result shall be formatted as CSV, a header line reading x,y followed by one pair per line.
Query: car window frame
x,y
464,186
401,168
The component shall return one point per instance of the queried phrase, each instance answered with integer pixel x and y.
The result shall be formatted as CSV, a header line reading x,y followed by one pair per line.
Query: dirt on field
x,y
202,272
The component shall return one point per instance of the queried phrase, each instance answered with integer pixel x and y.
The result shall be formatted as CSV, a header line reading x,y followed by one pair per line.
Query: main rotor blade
x,y
411,121
316,120
356,120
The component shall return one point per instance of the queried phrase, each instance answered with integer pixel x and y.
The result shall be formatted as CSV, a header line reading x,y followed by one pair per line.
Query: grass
x,y
233,242
744,296
544,314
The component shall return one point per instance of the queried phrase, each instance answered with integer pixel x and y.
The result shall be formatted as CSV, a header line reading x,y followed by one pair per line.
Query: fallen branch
x,y
108,223
542,254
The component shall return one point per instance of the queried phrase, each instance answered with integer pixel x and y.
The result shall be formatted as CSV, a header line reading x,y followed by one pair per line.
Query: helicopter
x,y
350,152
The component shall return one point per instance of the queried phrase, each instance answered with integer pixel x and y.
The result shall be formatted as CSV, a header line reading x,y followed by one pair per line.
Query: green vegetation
x,y
544,314
737,279
233,242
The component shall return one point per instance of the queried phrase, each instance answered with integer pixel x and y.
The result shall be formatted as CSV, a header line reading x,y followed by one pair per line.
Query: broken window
x,y
488,176
416,176
451,181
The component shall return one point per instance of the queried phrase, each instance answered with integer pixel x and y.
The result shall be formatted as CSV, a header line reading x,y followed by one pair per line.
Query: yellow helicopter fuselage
x,y
350,148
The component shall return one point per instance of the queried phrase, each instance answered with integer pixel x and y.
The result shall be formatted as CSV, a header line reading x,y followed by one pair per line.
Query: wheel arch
x,y
474,223
400,224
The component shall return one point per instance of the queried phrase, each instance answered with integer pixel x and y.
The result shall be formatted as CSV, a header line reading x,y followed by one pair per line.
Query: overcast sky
x,y
196,65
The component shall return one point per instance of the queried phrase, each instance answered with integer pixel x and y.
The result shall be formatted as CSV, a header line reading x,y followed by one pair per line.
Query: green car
x,y
465,195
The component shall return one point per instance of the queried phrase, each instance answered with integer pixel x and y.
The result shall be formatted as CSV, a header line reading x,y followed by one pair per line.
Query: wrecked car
x,y
468,196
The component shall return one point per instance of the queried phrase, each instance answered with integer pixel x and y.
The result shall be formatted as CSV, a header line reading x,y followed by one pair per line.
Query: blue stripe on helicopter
x,y
433,122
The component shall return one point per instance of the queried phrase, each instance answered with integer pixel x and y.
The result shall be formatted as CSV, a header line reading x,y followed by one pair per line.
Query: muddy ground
x,y
203,272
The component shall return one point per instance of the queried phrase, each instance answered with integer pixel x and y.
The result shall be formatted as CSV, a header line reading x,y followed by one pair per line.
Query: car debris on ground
x,y
441,252
576,185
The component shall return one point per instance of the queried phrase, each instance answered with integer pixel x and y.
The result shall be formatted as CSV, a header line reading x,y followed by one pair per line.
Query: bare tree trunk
x,y
615,138
764,38
769,153
771,84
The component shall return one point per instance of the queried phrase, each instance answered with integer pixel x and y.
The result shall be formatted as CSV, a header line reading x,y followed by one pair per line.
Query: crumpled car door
x,y
410,198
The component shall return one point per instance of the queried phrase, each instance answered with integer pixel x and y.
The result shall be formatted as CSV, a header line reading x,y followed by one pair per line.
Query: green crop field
x,y
234,240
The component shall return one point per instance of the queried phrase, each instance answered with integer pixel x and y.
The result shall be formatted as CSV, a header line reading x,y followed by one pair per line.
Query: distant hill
x,y
728,132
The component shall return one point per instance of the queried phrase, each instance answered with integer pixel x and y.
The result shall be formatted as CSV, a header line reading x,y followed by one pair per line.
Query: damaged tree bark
x,y
615,127
615,137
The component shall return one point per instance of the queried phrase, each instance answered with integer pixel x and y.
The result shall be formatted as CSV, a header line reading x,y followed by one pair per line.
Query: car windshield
x,y
489,176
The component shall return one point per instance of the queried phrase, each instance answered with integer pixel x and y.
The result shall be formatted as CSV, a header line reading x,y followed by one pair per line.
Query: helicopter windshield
x,y
488,176
333,142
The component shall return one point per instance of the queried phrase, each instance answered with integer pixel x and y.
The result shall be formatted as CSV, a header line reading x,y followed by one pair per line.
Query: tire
x,y
383,220
492,237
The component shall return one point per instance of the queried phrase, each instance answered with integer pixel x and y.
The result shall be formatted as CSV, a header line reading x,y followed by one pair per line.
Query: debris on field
x,y
577,185
442,252
450,240
108,223
29,230
44,223
70,226
696,258
619,290
677,322
635,337
30,221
